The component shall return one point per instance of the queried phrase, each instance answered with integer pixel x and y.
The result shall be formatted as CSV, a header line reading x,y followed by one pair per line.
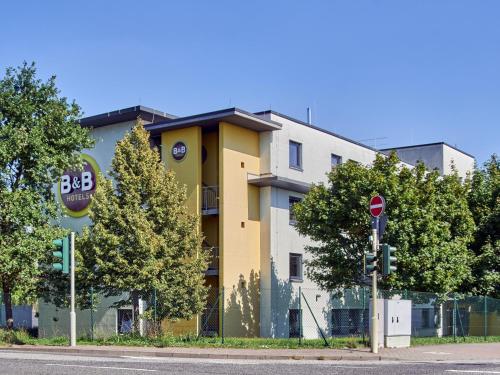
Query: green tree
x,y
142,237
429,222
484,202
39,138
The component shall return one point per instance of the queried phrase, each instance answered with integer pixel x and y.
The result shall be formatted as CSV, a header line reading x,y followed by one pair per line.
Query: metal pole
x,y
363,315
91,313
300,315
72,314
222,314
455,317
154,305
485,317
374,332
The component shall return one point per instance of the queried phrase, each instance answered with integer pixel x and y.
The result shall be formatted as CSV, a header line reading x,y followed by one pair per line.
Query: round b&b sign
x,y
76,187
179,151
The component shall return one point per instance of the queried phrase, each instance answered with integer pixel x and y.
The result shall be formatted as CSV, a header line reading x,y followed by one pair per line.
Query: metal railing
x,y
213,260
210,200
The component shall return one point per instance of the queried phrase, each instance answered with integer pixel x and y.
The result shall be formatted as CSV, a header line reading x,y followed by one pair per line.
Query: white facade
x,y
279,237
440,156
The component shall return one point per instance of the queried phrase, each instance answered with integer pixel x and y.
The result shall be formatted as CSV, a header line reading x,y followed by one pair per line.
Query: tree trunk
x,y
135,311
9,317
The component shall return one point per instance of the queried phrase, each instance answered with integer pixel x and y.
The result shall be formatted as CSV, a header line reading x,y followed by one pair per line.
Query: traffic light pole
x,y
374,325
72,314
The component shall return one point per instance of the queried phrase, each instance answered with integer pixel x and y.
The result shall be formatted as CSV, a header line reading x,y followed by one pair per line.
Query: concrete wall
x,y
438,156
106,138
462,162
317,147
54,321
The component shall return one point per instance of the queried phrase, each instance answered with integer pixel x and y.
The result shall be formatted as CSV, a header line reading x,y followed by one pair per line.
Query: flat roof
x,y
427,145
233,115
317,128
125,114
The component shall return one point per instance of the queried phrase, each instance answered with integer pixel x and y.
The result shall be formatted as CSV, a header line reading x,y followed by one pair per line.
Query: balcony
x,y
213,260
210,200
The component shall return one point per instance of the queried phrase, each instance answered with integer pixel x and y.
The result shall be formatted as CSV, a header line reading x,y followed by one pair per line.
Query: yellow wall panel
x,y
239,234
188,170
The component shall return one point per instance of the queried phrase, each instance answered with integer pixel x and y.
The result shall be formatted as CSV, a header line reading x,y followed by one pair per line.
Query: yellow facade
x,y
221,158
188,172
239,230
476,324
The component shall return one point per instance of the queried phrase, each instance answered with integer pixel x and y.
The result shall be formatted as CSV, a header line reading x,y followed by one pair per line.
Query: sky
x,y
388,73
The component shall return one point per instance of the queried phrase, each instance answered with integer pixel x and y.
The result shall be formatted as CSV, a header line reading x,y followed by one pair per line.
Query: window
x,y
295,267
295,156
294,320
426,318
336,160
349,321
291,202
125,320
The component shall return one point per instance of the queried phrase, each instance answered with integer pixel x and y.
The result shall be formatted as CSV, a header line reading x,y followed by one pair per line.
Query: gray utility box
x,y
397,323
380,319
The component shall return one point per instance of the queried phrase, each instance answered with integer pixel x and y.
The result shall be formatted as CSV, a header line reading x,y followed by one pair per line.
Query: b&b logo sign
x,y
179,150
76,187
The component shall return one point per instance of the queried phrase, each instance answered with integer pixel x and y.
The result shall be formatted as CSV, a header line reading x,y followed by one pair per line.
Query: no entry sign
x,y
377,205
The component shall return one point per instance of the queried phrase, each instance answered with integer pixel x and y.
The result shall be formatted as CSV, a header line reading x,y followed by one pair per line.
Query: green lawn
x,y
418,341
21,337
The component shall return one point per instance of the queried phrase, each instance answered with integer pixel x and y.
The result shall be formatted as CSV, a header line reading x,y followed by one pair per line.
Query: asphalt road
x,y
54,364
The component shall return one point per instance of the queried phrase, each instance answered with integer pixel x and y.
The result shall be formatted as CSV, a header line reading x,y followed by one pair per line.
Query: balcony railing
x,y
213,260
210,200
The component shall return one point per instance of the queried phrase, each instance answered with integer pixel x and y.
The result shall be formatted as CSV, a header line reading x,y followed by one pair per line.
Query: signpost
x,y
377,207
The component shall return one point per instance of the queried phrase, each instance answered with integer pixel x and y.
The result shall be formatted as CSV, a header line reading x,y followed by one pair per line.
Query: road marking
x,y
132,357
438,353
475,371
102,367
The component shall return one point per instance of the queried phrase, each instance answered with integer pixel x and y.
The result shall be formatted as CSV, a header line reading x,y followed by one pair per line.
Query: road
x,y
14,363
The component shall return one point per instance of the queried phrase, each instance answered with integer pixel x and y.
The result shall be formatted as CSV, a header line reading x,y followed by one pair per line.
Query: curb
x,y
166,354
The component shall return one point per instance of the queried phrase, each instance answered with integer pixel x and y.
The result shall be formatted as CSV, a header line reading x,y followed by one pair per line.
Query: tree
x,y
429,223
39,138
142,237
484,203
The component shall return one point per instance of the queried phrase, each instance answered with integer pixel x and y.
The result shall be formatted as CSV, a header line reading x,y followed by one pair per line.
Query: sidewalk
x,y
457,352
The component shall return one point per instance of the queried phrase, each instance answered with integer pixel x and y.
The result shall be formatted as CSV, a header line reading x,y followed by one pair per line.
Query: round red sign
x,y
377,205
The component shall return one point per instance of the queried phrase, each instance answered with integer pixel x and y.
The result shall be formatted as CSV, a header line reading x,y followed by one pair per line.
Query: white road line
x,y
103,367
132,357
438,353
475,371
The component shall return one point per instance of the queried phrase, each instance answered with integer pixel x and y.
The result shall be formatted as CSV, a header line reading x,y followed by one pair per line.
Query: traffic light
x,y
389,259
62,246
370,263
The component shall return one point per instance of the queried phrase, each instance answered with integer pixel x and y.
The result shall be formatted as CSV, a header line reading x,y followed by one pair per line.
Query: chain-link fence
x,y
288,312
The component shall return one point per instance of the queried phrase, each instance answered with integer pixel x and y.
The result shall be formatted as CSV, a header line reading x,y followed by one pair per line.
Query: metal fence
x,y
286,312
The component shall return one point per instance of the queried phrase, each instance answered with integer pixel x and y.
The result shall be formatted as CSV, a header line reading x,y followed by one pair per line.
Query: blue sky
x,y
407,71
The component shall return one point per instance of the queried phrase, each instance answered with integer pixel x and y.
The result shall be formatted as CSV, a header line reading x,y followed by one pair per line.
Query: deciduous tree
x,y
429,222
39,138
142,236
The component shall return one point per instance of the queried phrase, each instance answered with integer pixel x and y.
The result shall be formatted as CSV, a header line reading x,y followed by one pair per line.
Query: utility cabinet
x,y
380,319
397,323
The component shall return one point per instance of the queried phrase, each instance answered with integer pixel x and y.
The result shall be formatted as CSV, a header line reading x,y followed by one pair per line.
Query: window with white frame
x,y
295,155
295,267
292,201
